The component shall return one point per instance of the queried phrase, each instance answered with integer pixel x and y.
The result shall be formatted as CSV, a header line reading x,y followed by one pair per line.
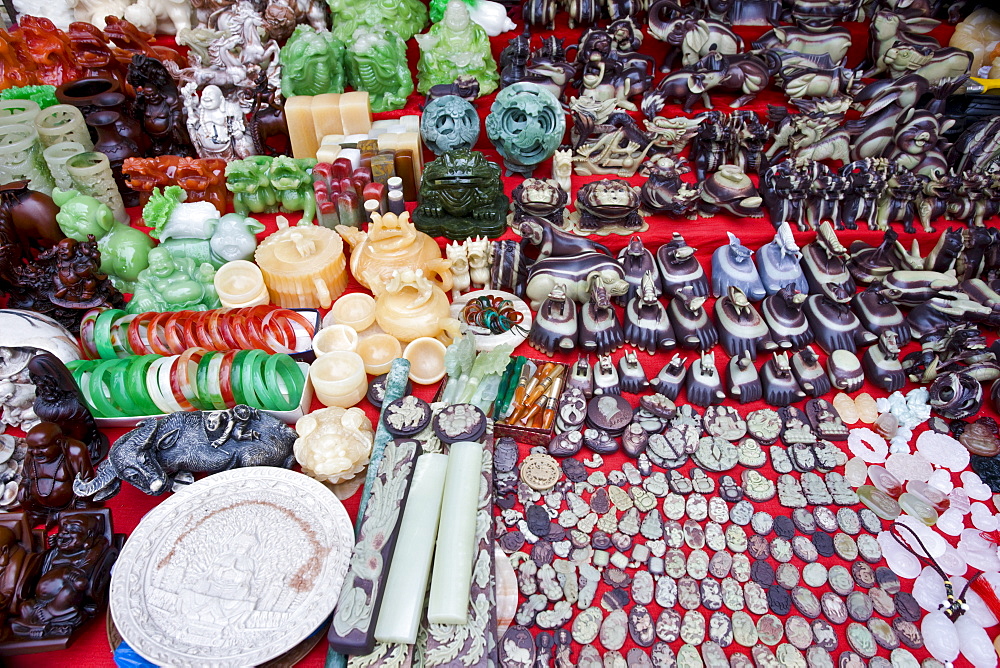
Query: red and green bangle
x,y
87,333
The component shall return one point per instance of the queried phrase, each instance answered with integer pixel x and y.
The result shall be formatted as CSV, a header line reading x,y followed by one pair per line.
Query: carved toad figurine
x,y
607,206
461,195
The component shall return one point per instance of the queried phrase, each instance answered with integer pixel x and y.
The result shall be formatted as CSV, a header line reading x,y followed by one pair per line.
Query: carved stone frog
x,y
460,196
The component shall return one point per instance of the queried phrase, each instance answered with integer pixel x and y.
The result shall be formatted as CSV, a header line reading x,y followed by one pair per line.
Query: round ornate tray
x,y
286,660
238,569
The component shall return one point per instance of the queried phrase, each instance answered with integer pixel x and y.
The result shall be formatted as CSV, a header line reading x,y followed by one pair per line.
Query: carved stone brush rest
x,y
844,370
582,377
555,326
704,382
809,372
780,386
778,262
784,315
740,327
606,376
670,378
647,325
732,265
637,260
877,313
692,326
679,268
742,380
835,325
881,364
631,376
599,331
824,266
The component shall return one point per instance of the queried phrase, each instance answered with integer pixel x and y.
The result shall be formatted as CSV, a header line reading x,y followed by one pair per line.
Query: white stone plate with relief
x,y
233,570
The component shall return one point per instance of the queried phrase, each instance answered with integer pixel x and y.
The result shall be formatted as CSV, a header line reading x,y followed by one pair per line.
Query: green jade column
x,y
395,386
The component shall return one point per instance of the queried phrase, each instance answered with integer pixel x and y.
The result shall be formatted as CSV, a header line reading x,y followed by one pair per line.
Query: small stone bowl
x,y
335,338
426,356
356,310
378,352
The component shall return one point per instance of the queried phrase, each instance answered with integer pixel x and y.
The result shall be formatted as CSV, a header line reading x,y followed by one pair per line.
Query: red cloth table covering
x,y
704,234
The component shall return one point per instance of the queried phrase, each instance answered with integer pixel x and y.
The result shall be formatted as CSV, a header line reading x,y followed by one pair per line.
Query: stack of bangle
x,y
112,333
197,379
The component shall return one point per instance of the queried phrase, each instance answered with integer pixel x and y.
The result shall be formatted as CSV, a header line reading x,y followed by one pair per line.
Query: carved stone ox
x,y
163,451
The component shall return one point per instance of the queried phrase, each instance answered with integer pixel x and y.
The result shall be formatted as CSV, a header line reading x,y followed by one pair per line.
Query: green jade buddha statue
x,y
174,284
124,250
455,47
401,17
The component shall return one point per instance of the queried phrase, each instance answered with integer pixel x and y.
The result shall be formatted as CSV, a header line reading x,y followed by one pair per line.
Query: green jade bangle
x,y
102,333
100,391
282,369
135,383
249,377
202,376
236,377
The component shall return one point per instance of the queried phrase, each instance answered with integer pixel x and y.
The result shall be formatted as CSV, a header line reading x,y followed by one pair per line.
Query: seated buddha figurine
x,y
65,595
174,284
16,564
456,46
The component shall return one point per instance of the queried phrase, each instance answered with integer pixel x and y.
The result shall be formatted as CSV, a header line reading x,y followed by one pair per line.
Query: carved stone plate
x,y
258,553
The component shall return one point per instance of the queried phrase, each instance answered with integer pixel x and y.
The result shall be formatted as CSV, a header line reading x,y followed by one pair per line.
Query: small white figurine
x,y
18,400
166,17
60,12
479,251
94,11
562,168
334,444
216,125
458,254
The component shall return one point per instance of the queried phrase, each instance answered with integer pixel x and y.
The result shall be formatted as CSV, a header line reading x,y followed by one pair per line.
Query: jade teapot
x,y
393,242
409,306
